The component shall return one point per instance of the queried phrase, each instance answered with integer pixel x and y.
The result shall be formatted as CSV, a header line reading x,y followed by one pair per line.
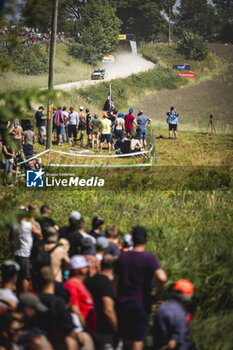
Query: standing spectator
x,y
95,131
112,116
172,120
17,130
171,329
73,124
59,124
101,289
10,273
45,221
120,126
105,132
10,330
88,122
135,271
56,322
28,142
129,118
9,161
59,257
32,336
101,246
82,124
66,124
97,226
112,235
71,233
88,250
23,241
40,123
141,122
81,300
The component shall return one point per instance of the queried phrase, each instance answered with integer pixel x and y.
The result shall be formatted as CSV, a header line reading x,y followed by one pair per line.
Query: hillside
x,y
196,103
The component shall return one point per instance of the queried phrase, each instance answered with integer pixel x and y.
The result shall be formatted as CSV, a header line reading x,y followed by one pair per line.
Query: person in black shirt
x,y
46,222
71,234
101,289
56,322
97,226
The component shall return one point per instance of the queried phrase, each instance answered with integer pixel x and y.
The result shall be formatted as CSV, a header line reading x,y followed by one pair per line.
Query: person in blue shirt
x,y
141,123
172,120
171,320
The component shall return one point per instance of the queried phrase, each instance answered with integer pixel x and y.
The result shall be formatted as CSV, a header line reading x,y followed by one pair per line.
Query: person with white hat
x,y
81,300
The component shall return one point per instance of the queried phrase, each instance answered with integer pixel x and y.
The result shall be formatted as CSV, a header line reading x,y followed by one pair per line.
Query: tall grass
x,y
67,70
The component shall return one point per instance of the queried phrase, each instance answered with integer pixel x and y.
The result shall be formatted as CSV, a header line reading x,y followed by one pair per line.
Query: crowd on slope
x,y
123,133
113,127
72,288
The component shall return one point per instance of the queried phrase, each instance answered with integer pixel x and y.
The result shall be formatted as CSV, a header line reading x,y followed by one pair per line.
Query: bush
x,y
27,60
192,46
84,53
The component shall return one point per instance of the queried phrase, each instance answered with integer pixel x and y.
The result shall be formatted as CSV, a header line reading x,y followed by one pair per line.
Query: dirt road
x,y
124,65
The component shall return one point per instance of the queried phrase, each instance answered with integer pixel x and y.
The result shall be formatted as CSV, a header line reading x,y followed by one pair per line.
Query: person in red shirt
x,y
81,300
129,118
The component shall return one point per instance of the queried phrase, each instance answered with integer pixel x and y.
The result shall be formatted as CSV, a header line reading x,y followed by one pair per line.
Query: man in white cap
x,y
81,300
82,124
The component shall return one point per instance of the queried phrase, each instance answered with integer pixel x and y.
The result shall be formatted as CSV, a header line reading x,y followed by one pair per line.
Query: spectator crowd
x,y
72,288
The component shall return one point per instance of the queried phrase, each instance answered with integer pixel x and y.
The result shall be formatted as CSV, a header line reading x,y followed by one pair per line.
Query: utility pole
x,y
51,72
169,27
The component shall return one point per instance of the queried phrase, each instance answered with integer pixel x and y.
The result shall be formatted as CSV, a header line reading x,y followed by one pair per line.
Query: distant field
x,y
67,70
196,103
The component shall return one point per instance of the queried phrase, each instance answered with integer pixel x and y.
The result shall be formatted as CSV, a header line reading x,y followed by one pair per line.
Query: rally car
x,y
98,74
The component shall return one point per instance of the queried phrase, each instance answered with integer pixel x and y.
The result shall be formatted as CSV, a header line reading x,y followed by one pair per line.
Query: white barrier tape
x,y
87,155
34,157
100,166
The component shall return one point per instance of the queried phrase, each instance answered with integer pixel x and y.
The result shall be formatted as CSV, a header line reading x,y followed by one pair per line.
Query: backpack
x,y
43,259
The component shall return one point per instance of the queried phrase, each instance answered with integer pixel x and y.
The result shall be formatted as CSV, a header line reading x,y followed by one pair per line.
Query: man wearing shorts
x,y
40,123
172,120
135,270
82,124
23,241
105,132
141,122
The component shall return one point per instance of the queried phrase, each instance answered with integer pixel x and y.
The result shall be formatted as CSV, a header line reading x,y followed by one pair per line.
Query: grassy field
x,y
196,103
67,70
185,200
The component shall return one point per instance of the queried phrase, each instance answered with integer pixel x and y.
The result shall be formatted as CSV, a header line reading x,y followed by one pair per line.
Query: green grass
x,y
190,232
127,92
67,70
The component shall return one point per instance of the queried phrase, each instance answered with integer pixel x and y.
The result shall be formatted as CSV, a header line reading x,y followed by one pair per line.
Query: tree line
x,y
147,19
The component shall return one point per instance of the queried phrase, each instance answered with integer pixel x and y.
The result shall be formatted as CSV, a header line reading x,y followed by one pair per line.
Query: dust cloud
x,y
126,64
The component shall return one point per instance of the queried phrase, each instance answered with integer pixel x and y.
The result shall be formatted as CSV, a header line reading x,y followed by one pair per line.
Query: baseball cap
x,y
88,247
78,262
184,286
11,263
121,115
97,221
81,108
52,235
32,300
131,110
105,115
87,110
128,240
102,243
75,215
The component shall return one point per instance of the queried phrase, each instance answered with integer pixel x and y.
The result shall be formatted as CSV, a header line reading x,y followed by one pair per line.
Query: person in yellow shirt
x,y
105,132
